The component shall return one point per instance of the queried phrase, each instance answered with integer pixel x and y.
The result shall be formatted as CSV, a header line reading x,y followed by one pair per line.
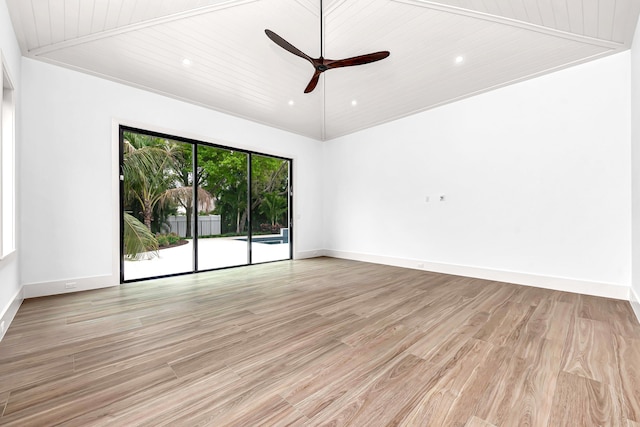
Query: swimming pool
x,y
269,240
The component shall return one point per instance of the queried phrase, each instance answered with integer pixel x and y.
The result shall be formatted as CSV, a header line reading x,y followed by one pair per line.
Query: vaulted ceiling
x,y
215,53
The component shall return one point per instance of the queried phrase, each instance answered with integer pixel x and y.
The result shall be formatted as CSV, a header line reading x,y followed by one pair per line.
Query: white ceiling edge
x,y
234,3
514,23
168,95
485,90
320,133
323,138
122,29
136,26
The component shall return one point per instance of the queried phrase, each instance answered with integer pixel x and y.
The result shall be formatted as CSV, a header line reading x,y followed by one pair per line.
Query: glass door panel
x,y
269,209
157,197
223,215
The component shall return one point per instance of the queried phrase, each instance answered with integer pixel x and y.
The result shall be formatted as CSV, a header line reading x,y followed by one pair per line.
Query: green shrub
x,y
170,239
163,240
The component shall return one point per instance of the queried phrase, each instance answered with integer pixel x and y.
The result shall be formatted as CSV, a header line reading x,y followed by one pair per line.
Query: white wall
x,y
69,212
10,289
635,161
536,177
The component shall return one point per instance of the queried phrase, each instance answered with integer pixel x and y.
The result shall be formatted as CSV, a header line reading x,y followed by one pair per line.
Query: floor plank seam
x,y
295,408
175,374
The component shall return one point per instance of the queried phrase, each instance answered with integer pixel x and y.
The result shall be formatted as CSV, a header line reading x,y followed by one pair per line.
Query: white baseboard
x,y
309,254
608,290
34,290
634,299
10,311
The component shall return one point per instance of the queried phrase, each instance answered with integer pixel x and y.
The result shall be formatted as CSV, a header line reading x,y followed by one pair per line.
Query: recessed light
x,y
459,59
354,103
291,103
186,62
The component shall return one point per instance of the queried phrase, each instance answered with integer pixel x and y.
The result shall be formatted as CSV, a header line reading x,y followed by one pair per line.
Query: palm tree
x,y
146,167
184,197
273,206
139,241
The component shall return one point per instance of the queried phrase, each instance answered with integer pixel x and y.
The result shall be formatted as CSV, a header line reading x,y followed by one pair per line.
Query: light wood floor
x,y
321,342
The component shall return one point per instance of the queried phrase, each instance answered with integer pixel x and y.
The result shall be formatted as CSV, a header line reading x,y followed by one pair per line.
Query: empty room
x,y
307,212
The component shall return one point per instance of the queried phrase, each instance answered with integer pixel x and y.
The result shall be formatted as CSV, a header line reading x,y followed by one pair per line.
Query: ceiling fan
x,y
321,64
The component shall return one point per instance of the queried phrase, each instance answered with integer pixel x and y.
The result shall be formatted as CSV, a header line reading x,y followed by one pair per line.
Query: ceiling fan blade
x,y
357,60
314,82
286,45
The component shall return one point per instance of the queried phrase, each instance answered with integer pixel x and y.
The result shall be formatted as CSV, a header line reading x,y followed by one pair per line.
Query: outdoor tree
x,y
270,188
159,177
139,241
225,178
273,207
182,192
147,166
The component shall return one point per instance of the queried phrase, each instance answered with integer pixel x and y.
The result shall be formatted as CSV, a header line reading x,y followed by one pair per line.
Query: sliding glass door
x,y
189,206
223,230
270,209
156,206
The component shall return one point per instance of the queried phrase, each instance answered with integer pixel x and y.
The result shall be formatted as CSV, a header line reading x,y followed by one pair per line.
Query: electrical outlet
x,y
70,285
421,265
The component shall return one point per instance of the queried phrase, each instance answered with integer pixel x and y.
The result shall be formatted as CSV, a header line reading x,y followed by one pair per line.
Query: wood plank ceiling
x,y
235,68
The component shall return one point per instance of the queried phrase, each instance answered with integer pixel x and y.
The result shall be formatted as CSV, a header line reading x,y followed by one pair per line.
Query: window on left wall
x,y
7,167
